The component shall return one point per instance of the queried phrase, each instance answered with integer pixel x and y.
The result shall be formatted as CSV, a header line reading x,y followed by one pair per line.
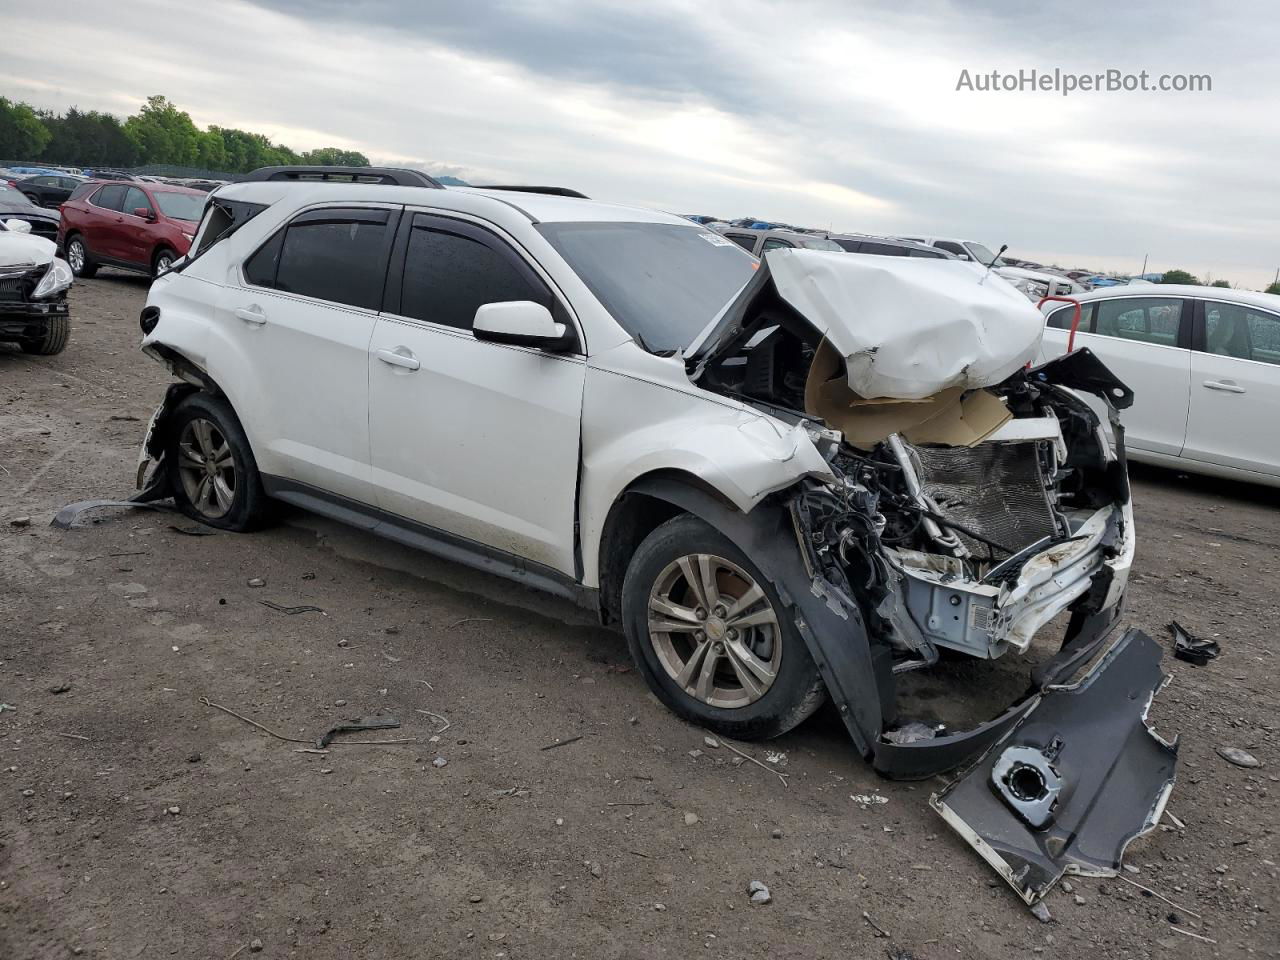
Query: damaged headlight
x,y
56,279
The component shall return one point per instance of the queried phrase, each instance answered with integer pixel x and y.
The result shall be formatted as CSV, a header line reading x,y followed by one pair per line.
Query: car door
x,y
1235,387
747,240
39,189
135,231
103,227
476,439
293,342
1145,342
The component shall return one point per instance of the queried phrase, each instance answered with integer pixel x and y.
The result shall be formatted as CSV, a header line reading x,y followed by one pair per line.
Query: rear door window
x,y
745,240
135,199
110,197
1145,319
773,243
1236,330
336,254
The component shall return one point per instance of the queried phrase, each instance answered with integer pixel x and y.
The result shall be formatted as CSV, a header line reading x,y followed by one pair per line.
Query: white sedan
x,y
1204,364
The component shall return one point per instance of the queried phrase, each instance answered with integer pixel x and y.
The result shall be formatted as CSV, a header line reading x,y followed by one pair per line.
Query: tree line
x,y
159,133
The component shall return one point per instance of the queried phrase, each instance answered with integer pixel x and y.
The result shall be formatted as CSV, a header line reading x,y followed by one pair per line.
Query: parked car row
x,y
137,226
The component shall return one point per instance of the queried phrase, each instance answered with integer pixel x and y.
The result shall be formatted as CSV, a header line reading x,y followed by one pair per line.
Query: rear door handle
x,y
1226,386
399,357
252,314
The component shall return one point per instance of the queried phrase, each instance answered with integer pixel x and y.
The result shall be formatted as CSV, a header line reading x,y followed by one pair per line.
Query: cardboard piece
x,y
952,417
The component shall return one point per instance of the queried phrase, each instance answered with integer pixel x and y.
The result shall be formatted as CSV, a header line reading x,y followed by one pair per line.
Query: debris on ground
x,y
1190,648
62,687
759,892
880,931
439,762
561,743
356,726
280,736
1241,758
256,582
910,733
65,518
195,530
868,799
20,522
1040,910
291,611
710,741
690,819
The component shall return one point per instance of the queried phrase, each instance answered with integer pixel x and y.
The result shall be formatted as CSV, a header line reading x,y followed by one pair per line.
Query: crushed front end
x,y
960,521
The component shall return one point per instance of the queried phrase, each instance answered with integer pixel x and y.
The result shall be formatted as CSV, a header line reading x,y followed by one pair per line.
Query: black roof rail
x,y
392,176
549,191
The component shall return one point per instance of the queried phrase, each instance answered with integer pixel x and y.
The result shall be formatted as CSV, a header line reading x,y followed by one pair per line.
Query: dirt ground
x,y
137,821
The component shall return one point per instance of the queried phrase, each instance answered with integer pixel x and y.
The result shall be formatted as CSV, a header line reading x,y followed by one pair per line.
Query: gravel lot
x,y
136,821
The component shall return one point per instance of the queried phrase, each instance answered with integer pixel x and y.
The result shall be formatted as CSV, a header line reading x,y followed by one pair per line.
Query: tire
x,y
752,709
54,340
78,257
229,494
162,261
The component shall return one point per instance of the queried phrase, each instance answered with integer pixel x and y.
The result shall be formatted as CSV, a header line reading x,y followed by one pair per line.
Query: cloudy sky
x,y
820,112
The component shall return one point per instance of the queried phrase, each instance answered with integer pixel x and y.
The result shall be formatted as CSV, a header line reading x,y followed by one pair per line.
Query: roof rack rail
x,y
392,176
549,191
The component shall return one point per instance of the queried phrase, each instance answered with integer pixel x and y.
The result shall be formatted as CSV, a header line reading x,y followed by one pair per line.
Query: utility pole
x,y
1144,265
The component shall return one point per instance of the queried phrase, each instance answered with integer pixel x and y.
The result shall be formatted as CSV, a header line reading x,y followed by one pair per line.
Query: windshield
x,y
180,206
820,243
980,253
662,282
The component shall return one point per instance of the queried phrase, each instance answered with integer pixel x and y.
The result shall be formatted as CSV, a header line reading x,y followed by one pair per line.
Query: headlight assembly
x,y
56,279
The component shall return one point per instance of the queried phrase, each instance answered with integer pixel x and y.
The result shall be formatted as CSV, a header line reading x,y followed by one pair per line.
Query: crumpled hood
x,y
907,328
22,249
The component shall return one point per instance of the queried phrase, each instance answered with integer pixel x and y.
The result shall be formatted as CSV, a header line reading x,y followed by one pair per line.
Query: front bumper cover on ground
x,y
1074,781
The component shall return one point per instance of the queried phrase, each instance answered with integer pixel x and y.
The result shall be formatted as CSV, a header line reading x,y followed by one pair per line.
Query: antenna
x,y
998,255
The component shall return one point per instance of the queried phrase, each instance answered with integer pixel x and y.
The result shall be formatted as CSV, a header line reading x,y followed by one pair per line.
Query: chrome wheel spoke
x,y
204,493
694,578
707,675
745,602
672,610
222,457
751,670
223,493
762,617
202,430
685,677
710,589
190,456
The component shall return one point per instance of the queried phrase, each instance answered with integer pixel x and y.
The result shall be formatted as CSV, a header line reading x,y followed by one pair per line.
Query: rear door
x,y
1235,387
103,226
293,338
473,438
1145,341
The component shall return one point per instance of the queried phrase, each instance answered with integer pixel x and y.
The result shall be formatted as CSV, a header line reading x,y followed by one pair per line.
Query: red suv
x,y
137,226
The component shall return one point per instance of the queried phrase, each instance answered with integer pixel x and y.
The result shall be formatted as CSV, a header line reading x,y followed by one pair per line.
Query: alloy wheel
x,y
714,631
163,263
207,467
75,256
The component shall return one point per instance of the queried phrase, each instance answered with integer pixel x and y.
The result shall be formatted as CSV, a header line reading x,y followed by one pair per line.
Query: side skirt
x,y
438,543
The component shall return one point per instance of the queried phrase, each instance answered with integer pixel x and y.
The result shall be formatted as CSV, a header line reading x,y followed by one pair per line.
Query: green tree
x,y
23,134
164,134
1274,288
334,157
89,139
1179,276
1220,283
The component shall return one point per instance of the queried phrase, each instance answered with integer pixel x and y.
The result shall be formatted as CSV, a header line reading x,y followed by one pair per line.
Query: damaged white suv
x,y
787,479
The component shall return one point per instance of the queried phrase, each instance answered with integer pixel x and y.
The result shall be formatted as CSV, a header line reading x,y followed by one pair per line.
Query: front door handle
x,y
1226,386
399,357
252,314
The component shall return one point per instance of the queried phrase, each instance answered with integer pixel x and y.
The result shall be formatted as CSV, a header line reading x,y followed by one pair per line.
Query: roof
x,y
1268,301
541,208
166,188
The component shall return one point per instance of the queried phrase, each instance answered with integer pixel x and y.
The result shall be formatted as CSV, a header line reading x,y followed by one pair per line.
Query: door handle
x,y
399,357
1226,386
252,314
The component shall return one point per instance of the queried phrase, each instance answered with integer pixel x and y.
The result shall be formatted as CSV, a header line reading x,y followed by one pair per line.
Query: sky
x,y
826,113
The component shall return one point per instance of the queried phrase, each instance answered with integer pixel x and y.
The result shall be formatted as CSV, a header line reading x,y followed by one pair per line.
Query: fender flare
x,y
857,675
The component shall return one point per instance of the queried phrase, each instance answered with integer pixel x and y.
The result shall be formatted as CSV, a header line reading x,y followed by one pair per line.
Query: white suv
x,y
624,408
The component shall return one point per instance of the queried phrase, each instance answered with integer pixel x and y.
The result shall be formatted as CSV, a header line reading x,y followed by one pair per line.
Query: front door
x,y
1235,388
476,439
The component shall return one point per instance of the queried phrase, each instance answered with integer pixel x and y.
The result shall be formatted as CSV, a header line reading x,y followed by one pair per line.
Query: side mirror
x,y
964,256
145,213
18,226
522,323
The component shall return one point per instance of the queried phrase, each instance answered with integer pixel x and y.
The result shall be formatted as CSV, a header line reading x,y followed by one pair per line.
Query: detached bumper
x,y
1077,778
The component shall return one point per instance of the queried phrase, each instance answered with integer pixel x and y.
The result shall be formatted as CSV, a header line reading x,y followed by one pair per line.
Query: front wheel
x,y
163,261
52,340
214,475
711,636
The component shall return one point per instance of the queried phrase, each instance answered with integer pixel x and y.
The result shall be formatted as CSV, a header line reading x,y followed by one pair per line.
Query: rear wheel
x,y
711,636
53,340
215,478
78,258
